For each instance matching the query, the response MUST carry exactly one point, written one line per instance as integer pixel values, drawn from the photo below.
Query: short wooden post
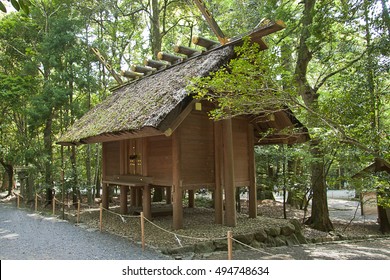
(78, 211)
(143, 231)
(101, 217)
(36, 202)
(54, 205)
(230, 245)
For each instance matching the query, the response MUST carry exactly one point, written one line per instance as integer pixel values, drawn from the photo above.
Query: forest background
(330, 65)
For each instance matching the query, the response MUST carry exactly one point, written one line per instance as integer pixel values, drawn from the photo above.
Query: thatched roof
(148, 106)
(141, 107)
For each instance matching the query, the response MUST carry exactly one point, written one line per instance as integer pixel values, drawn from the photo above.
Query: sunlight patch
(10, 236)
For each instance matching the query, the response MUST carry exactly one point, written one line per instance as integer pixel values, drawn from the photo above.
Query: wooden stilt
(168, 195)
(138, 199)
(123, 199)
(228, 167)
(143, 231)
(105, 196)
(147, 201)
(133, 197)
(36, 202)
(191, 199)
(218, 158)
(252, 174)
(177, 183)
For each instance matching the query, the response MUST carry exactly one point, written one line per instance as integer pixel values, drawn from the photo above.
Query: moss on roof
(145, 102)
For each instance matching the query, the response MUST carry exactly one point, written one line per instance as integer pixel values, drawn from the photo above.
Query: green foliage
(248, 84)
(17, 4)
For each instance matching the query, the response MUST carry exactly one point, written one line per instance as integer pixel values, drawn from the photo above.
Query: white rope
(255, 249)
(178, 240)
(183, 236)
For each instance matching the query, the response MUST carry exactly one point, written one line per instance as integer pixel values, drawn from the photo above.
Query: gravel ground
(68, 241)
(25, 235)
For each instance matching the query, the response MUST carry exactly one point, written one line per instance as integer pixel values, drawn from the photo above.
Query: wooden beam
(146, 70)
(229, 178)
(131, 74)
(252, 173)
(190, 52)
(156, 64)
(218, 159)
(171, 58)
(177, 183)
(204, 42)
(183, 115)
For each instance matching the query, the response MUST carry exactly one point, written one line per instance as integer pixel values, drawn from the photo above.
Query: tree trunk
(48, 164)
(9, 178)
(320, 215)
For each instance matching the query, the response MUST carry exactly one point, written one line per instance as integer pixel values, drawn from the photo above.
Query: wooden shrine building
(155, 135)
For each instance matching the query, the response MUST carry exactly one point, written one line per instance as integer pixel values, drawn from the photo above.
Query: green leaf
(24, 4)
(2, 7)
(15, 4)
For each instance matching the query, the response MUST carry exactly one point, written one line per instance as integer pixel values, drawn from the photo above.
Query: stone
(245, 238)
(260, 235)
(301, 238)
(221, 245)
(280, 241)
(270, 241)
(204, 247)
(296, 224)
(179, 250)
(287, 229)
(273, 231)
(292, 240)
(257, 244)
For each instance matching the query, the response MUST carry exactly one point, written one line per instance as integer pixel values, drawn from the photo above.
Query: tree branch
(349, 64)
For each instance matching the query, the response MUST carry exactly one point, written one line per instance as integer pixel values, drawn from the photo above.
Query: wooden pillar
(229, 179)
(133, 197)
(105, 190)
(191, 199)
(123, 199)
(218, 157)
(177, 183)
(123, 170)
(138, 197)
(168, 195)
(252, 174)
(105, 196)
(147, 201)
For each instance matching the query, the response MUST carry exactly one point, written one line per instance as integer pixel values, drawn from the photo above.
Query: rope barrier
(183, 236)
(250, 247)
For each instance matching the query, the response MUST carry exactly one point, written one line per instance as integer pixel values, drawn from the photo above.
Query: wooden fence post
(36, 202)
(143, 231)
(101, 216)
(230, 245)
(54, 205)
(78, 211)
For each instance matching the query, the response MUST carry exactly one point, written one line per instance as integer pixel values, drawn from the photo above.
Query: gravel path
(29, 236)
